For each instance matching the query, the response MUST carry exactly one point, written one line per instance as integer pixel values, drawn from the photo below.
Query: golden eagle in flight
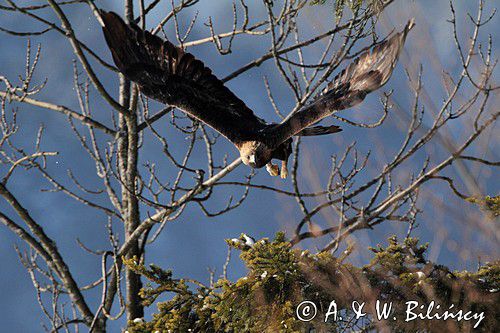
(169, 75)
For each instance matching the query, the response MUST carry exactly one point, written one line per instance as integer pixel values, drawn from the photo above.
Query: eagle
(170, 75)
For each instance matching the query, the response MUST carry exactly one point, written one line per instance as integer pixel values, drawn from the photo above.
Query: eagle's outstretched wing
(167, 74)
(370, 71)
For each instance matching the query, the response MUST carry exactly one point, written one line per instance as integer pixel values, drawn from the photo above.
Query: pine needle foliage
(280, 277)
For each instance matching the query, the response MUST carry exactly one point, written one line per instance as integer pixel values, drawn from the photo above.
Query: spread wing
(167, 74)
(370, 71)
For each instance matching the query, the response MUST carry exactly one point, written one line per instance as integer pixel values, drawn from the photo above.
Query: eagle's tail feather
(319, 130)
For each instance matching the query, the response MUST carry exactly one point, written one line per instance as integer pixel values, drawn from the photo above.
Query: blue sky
(193, 243)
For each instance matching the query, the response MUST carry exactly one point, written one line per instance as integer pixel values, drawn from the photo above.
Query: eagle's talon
(284, 170)
(273, 169)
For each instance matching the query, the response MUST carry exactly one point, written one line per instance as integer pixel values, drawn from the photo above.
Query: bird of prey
(172, 76)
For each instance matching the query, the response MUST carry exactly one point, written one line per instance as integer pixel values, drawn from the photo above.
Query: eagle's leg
(284, 169)
(273, 169)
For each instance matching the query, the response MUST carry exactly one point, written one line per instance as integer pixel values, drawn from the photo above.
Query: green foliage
(339, 6)
(488, 204)
(399, 258)
(281, 277)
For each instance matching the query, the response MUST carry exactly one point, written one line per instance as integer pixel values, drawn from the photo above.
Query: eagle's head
(255, 154)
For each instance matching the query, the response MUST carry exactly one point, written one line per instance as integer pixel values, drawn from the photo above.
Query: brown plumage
(167, 74)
